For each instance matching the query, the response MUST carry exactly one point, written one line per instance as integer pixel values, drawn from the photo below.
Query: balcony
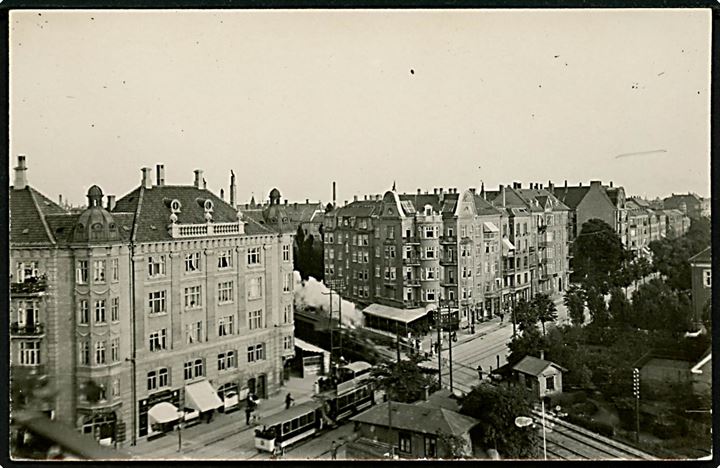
(389, 282)
(411, 304)
(389, 241)
(204, 230)
(542, 228)
(411, 261)
(448, 261)
(37, 329)
(411, 241)
(34, 286)
(448, 282)
(412, 282)
(448, 239)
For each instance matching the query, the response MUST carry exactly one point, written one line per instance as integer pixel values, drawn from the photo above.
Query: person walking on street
(502, 317)
(288, 401)
(333, 450)
(480, 371)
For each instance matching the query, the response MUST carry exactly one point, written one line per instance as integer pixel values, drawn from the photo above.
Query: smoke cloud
(314, 293)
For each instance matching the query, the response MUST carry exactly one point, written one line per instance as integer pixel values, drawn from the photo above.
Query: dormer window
(208, 205)
(175, 206)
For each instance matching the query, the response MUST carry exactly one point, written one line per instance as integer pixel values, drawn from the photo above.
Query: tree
(496, 407)
(619, 307)
(598, 255)
(597, 307)
(455, 446)
(670, 256)
(656, 306)
(403, 381)
(526, 316)
(544, 308)
(530, 342)
(575, 302)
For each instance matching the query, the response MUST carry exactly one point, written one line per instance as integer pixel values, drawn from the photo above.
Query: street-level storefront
(229, 393)
(201, 397)
(161, 417)
(101, 424)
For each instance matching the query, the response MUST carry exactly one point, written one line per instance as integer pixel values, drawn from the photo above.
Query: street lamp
(636, 393)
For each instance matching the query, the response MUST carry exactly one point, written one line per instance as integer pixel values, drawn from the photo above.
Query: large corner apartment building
(484, 250)
(164, 296)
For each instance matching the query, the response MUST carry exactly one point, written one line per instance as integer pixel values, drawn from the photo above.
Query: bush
(594, 426)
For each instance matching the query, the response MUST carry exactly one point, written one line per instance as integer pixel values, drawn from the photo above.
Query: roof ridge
(41, 214)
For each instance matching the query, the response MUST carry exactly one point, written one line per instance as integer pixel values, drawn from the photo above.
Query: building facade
(701, 271)
(689, 204)
(145, 297)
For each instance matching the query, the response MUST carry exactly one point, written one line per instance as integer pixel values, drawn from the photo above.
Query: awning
(358, 366)
(507, 244)
(391, 313)
(490, 227)
(202, 397)
(305, 346)
(164, 413)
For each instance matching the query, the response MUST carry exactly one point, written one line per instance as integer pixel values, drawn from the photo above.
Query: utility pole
(636, 393)
(438, 320)
(452, 335)
(181, 413)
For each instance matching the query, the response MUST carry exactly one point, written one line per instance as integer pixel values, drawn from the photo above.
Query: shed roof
(418, 418)
(532, 365)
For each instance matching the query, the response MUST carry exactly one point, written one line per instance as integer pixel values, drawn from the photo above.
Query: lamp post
(181, 421)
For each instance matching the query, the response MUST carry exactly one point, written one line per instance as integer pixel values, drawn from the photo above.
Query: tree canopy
(598, 255)
(403, 381)
(544, 308)
(575, 302)
(670, 256)
(496, 407)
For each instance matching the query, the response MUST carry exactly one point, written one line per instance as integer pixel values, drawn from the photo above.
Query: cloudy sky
(297, 99)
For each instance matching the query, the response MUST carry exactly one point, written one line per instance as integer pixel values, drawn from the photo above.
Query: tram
(348, 391)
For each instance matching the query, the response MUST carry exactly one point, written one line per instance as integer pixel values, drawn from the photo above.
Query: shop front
(229, 393)
(201, 397)
(161, 418)
(102, 425)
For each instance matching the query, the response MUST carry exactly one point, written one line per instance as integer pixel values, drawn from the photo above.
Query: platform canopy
(392, 313)
(202, 397)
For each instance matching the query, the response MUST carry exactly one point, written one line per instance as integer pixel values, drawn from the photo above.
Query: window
(100, 352)
(390, 232)
(256, 352)
(226, 292)
(27, 314)
(115, 267)
(84, 353)
(199, 368)
(193, 297)
(159, 378)
(84, 312)
(430, 232)
(287, 343)
(287, 313)
(255, 319)
(152, 380)
(192, 262)
(405, 442)
(429, 252)
(115, 350)
(227, 360)
(99, 271)
(377, 271)
(26, 270)
(253, 256)
(225, 325)
(115, 309)
(365, 256)
(707, 278)
(550, 382)
(225, 259)
(188, 370)
(193, 332)
(100, 311)
(163, 380)
(430, 447)
(255, 288)
(429, 295)
(156, 302)
(157, 340)
(156, 266)
(390, 251)
(29, 353)
(286, 253)
(287, 282)
(81, 275)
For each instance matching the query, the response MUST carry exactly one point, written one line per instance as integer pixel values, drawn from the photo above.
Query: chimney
(354, 198)
(204, 184)
(595, 183)
(550, 185)
(146, 182)
(345, 203)
(611, 184)
(435, 191)
(580, 184)
(233, 189)
(286, 202)
(198, 178)
(20, 173)
(542, 354)
(365, 197)
(160, 170)
(333, 203)
(502, 194)
(60, 199)
(307, 201)
(110, 202)
(565, 183)
(472, 190)
(419, 191)
(482, 188)
(222, 194)
(295, 205)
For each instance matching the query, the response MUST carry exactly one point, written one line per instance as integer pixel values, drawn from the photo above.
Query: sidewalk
(222, 425)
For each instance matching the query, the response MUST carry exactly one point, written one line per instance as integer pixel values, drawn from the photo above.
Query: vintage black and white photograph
(377, 234)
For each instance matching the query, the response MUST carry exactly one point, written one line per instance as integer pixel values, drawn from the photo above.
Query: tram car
(347, 392)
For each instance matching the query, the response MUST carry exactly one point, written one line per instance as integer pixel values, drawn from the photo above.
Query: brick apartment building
(166, 295)
(482, 250)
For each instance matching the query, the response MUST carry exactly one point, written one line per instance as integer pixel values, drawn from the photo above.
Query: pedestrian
(248, 413)
(480, 371)
(288, 401)
(333, 450)
(502, 317)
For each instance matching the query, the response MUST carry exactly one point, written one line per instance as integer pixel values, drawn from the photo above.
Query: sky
(419, 98)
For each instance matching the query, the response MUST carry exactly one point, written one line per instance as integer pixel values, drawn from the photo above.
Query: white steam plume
(314, 293)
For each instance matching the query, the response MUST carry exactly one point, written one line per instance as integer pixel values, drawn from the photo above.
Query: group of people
(251, 403)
